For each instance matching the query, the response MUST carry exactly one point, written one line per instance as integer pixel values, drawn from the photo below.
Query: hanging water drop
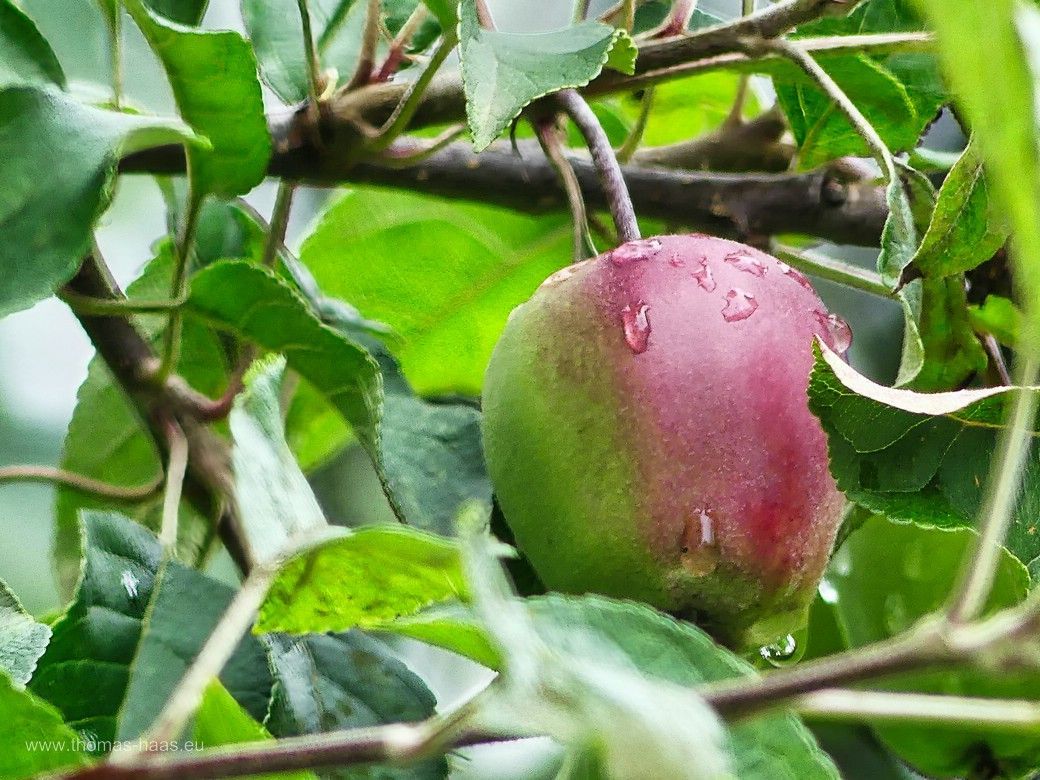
(746, 263)
(635, 251)
(740, 305)
(782, 652)
(635, 322)
(836, 330)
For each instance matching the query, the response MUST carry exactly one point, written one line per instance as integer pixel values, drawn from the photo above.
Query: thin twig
(402, 154)
(996, 357)
(176, 468)
(279, 222)
(369, 44)
(310, 48)
(403, 39)
(179, 284)
(82, 482)
(606, 163)
(833, 270)
(549, 138)
(983, 559)
(635, 137)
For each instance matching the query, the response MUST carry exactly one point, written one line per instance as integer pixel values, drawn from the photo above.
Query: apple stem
(606, 162)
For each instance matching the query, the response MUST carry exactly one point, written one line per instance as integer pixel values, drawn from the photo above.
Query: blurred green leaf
(28, 719)
(108, 440)
(38, 127)
(189, 12)
(914, 456)
(22, 639)
(920, 567)
(344, 681)
(899, 236)
(503, 72)
(951, 354)
(224, 104)
(967, 227)
(428, 456)
(988, 66)
(134, 626)
(274, 500)
(363, 579)
(899, 93)
(999, 316)
(442, 274)
(25, 56)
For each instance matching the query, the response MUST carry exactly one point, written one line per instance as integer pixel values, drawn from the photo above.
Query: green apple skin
(647, 433)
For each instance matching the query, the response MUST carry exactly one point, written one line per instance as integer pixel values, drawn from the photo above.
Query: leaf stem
(176, 468)
(399, 45)
(81, 482)
(549, 138)
(116, 55)
(833, 270)
(581, 10)
(123, 307)
(279, 222)
(606, 162)
(179, 284)
(398, 121)
(369, 44)
(635, 137)
(310, 48)
(983, 559)
(400, 154)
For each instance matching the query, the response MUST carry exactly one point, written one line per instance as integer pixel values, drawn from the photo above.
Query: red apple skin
(647, 432)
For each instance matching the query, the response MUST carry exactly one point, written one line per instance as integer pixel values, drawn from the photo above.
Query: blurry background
(44, 353)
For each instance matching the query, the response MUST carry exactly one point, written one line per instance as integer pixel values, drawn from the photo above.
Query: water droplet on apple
(782, 652)
(836, 330)
(740, 305)
(704, 276)
(635, 323)
(742, 261)
(635, 251)
(797, 275)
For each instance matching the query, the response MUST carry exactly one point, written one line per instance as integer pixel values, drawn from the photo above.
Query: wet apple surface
(648, 437)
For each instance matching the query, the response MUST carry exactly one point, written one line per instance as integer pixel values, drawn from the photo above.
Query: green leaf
(107, 667)
(363, 579)
(920, 568)
(25, 55)
(899, 93)
(446, 11)
(224, 104)
(914, 456)
(276, 31)
(37, 127)
(967, 227)
(28, 719)
(107, 440)
(503, 72)
(346, 681)
(952, 353)
(999, 316)
(468, 265)
(273, 497)
(188, 12)
(976, 41)
(899, 236)
(413, 445)
(184, 607)
(22, 639)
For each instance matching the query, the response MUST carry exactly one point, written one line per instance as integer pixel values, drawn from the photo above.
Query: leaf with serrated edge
(22, 639)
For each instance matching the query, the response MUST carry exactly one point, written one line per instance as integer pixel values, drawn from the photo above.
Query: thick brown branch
(133, 363)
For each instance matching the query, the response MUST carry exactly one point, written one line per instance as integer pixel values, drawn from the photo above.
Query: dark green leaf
(920, 568)
(107, 439)
(22, 639)
(345, 681)
(413, 445)
(275, 502)
(276, 30)
(503, 72)
(224, 105)
(914, 456)
(189, 12)
(25, 55)
(107, 667)
(28, 719)
(38, 127)
(365, 578)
